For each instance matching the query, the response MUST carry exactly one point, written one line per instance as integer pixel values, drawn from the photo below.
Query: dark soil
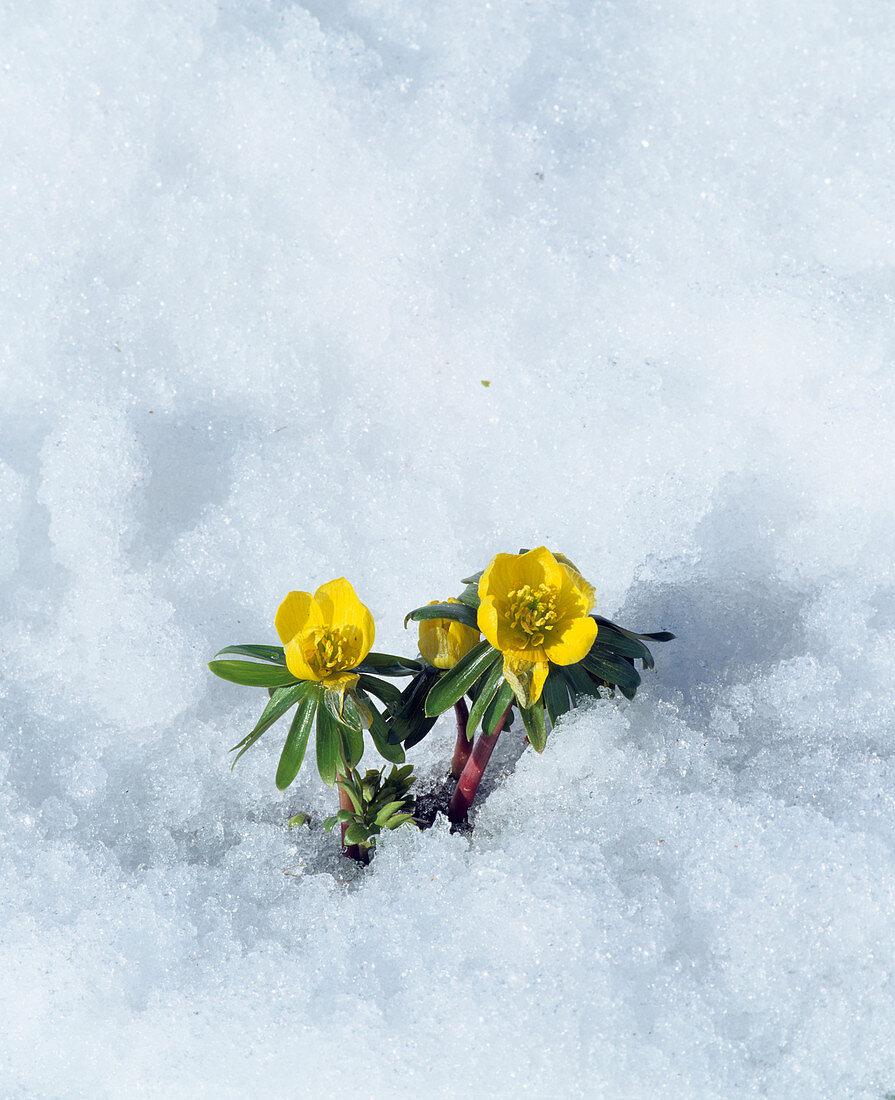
(436, 800)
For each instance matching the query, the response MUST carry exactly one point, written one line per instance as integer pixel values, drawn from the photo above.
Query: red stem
(464, 746)
(475, 768)
(352, 851)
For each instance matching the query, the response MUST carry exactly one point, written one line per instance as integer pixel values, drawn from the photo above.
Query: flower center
(532, 610)
(332, 649)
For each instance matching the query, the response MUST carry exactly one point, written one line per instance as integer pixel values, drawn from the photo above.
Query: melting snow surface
(259, 258)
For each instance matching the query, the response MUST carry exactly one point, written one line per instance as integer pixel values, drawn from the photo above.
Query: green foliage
(490, 684)
(408, 724)
(384, 691)
(458, 612)
(379, 731)
(252, 673)
(457, 681)
(296, 740)
(556, 695)
(386, 664)
(280, 701)
(328, 746)
(496, 707)
(379, 801)
(273, 653)
(470, 594)
(535, 725)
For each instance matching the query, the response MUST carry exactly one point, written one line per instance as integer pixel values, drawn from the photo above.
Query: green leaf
(329, 822)
(386, 812)
(342, 707)
(382, 689)
(458, 612)
(535, 726)
(280, 701)
(386, 664)
(296, 740)
(474, 579)
(614, 641)
(556, 696)
(413, 732)
(457, 681)
(409, 724)
(487, 692)
(398, 820)
(356, 834)
(352, 793)
(648, 659)
(252, 674)
(328, 756)
(470, 596)
(579, 682)
(613, 670)
(296, 820)
(379, 731)
(273, 653)
(657, 636)
(497, 706)
(353, 741)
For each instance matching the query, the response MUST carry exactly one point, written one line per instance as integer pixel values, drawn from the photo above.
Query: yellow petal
(526, 678)
(501, 575)
(295, 614)
(444, 642)
(342, 609)
(540, 567)
(585, 587)
(498, 632)
(464, 638)
(570, 642)
(488, 619)
(436, 643)
(573, 601)
(338, 602)
(296, 662)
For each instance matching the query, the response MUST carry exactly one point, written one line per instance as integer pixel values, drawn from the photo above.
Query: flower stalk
(463, 747)
(471, 777)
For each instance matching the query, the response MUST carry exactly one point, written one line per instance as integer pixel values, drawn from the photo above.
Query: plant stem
(463, 748)
(352, 851)
(475, 768)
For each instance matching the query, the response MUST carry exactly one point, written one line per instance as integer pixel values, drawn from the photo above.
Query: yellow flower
(444, 642)
(325, 635)
(586, 588)
(534, 609)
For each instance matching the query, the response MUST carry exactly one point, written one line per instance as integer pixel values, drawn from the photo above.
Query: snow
(259, 258)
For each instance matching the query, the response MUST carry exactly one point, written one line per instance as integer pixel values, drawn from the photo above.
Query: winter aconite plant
(522, 636)
(325, 670)
(543, 650)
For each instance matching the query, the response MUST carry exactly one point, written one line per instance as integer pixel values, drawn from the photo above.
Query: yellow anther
(532, 611)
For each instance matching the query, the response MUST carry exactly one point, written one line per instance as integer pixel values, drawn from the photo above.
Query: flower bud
(444, 642)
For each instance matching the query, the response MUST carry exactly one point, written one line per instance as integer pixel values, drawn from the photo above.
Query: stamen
(532, 611)
(332, 650)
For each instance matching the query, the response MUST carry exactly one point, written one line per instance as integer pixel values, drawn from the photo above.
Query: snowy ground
(257, 259)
